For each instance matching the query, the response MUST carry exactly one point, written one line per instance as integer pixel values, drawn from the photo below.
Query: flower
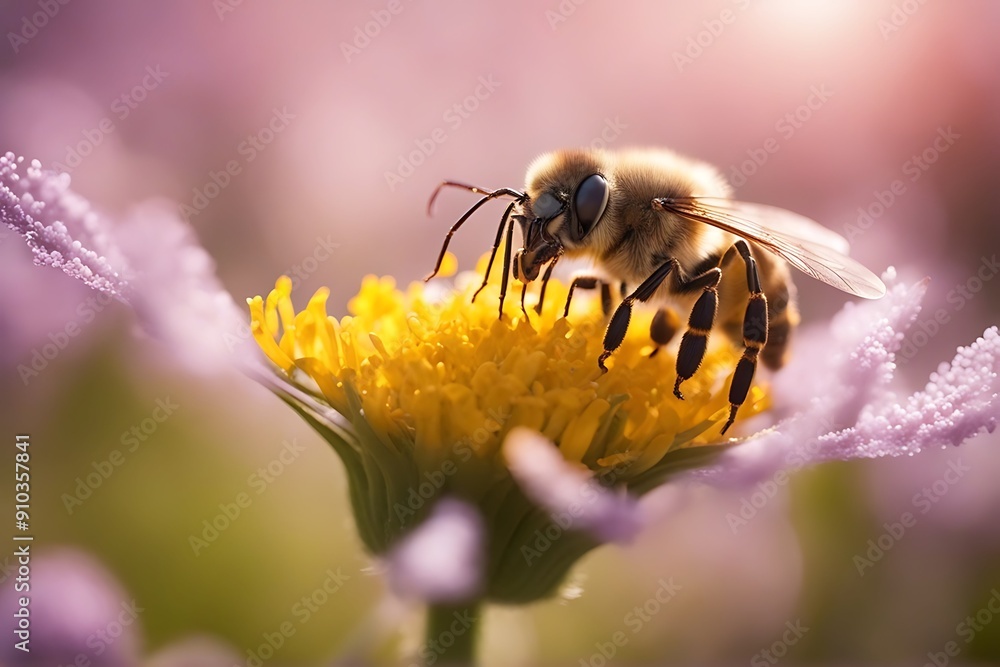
(430, 384)
(442, 399)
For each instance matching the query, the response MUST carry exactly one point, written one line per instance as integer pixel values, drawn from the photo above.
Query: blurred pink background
(306, 137)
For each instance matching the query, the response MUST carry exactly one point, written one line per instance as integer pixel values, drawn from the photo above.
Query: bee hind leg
(754, 335)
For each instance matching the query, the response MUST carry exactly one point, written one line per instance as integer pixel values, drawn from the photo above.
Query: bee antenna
(487, 196)
(473, 189)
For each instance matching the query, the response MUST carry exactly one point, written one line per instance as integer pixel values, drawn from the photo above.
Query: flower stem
(450, 637)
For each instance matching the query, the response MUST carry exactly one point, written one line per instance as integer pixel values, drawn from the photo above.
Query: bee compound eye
(589, 203)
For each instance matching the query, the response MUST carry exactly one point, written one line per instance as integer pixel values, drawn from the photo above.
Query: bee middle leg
(623, 314)
(700, 323)
(663, 328)
(590, 282)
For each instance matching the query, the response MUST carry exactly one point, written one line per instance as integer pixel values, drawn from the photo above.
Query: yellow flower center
(432, 370)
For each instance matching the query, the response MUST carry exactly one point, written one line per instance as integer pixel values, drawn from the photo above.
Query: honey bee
(665, 227)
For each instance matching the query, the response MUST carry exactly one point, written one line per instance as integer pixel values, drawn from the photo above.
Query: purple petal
(569, 493)
(171, 280)
(442, 559)
(856, 415)
(959, 402)
(177, 295)
(78, 612)
(839, 366)
(59, 226)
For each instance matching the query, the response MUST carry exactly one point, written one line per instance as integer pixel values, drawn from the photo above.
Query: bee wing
(803, 243)
(779, 220)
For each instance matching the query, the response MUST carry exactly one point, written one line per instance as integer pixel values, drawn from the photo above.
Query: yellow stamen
(440, 374)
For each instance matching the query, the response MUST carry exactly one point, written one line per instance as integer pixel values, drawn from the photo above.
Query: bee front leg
(496, 245)
(623, 314)
(545, 283)
(506, 267)
(754, 335)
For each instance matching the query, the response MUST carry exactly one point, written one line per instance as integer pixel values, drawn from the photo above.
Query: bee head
(566, 197)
